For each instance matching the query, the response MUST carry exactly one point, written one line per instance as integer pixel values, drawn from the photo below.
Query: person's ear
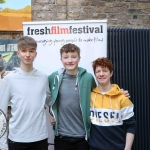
(35, 54)
(79, 58)
(111, 74)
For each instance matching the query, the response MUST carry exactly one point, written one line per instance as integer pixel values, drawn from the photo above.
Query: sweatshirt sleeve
(4, 98)
(128, 115)
(130, 125)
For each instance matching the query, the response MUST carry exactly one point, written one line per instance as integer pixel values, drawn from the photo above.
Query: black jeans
(39, 145)
(70, 143)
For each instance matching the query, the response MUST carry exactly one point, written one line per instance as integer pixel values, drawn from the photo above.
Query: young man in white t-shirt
(26, 90)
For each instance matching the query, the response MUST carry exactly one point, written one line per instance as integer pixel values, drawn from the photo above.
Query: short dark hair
(70, 48)
(27, 41)
(104, 62)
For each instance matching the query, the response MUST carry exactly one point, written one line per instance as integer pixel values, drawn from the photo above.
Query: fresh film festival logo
(69, 30)
(3, 123)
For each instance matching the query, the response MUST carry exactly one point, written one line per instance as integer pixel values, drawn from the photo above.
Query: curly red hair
(103, 62)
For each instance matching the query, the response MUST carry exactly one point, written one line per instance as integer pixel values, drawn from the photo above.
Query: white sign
(89, 35)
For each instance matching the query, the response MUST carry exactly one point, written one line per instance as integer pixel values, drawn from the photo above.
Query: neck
(72, 72)
(26, 68)
(105, 88)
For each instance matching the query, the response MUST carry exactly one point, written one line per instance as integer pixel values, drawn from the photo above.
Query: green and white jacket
(86, 83)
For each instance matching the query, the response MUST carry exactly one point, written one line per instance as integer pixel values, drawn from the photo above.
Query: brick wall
(120, 13)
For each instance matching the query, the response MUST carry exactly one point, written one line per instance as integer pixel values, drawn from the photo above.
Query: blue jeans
(70, 143)
(38, 145)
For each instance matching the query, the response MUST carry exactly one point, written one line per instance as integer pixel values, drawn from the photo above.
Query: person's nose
(101, 73)
(69, 59)
(27, 54)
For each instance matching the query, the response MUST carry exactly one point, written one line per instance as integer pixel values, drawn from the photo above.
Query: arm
(131, 127)
(129, 122)
(52, 121)
(129, 141)
(4, 149)
(5, 96)
(4, 74)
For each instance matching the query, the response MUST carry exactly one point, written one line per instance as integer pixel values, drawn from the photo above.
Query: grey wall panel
(129, 51)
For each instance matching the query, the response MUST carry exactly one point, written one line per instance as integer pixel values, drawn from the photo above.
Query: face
(103, 75)
(27, 55)
(70, 61)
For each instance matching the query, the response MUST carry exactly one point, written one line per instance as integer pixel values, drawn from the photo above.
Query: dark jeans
(39, 145)
(70, 143)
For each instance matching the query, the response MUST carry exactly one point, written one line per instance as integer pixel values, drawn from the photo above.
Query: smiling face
(103, 70)
(70, 61)
(103, 75)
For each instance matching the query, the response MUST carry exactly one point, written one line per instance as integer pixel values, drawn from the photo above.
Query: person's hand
(5, 148)
(126, 93)
(4, 74)
(127, 149)
(52, 121)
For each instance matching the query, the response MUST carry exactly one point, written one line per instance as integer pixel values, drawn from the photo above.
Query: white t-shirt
(27, 93)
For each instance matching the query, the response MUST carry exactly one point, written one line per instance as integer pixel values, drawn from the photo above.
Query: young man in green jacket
(71, 87)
